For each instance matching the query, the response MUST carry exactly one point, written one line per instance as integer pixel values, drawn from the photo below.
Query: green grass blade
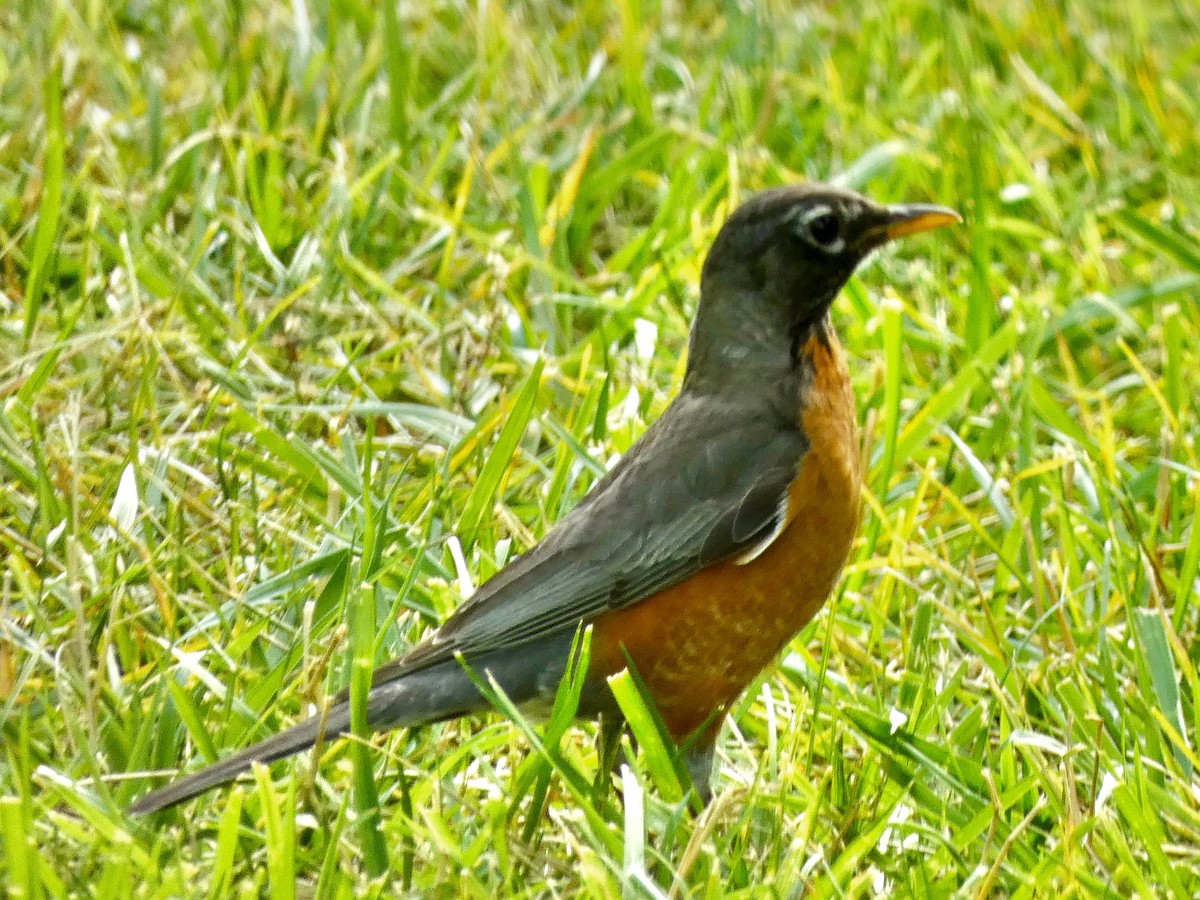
(1156, 650)
(953, 395)
(487, 486)
(45, 235)
(366, 795)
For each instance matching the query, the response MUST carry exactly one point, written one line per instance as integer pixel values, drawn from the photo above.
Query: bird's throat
(819, 329)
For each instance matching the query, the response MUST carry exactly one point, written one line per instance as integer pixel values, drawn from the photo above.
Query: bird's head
(783, 255)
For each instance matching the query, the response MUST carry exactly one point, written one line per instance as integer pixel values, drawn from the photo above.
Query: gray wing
(706, 482)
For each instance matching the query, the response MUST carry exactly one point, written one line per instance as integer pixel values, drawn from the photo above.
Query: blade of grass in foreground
(18, 844)
(648, 730)
(224, 856)
(46, 232)
(577, 783)
(1156, 649)
(492, 473)
(366, 795)
(279, 836)
(396, 61)
(362, 648)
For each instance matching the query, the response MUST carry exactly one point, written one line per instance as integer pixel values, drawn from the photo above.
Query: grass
(312, 314)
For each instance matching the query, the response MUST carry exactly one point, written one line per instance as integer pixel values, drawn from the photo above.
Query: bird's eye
(824, 229)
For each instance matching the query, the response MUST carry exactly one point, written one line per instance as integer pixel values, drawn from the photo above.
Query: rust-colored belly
(698, 644)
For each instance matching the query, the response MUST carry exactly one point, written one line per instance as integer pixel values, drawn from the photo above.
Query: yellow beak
(913, 218)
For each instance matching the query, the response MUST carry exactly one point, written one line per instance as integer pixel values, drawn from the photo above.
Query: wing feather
(652, 522)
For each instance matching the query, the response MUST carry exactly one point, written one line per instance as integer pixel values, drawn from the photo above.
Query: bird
(708, 546)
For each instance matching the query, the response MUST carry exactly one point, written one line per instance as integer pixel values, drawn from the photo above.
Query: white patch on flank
(781, 521)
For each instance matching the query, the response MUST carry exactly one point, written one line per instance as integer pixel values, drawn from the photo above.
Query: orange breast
(698, 644)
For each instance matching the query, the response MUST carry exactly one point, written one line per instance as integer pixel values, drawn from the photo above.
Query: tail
(442, 691)
(320, 727)
(417, 698)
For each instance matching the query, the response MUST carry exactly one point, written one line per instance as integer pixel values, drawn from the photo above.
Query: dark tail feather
(414, 699)
(410, 698)
(329, 726)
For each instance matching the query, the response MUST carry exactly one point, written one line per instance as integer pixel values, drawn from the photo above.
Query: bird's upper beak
(910, 218)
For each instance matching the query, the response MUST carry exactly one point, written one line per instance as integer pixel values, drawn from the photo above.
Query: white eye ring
(837, 245)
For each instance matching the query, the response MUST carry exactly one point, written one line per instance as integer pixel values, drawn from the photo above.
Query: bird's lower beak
(912, 218)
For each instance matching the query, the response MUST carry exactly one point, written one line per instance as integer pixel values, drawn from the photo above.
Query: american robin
(710, 544)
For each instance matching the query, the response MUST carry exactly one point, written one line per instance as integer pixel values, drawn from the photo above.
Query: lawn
(313, 313)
